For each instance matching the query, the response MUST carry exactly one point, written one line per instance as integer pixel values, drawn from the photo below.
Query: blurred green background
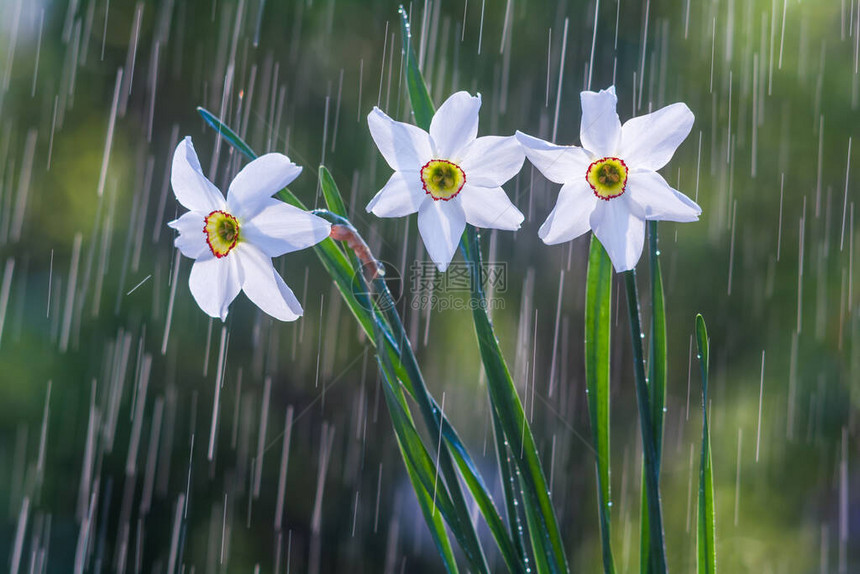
(87, 281)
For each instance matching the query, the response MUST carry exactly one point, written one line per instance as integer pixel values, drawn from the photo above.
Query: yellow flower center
(222, 232)
(607, 177)
(442, 179)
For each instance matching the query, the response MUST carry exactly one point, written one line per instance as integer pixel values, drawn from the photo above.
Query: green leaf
(453, 446)
(656, 549)
(706, 550)
(656, 373)
(598, 335)
(509, 476)
(419, 96)
(543, 527)
(226, 133)
(422, 472)
(332, 195)
(657, 359)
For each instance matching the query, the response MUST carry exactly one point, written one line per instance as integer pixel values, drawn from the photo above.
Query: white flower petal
(441, 224)
(215, 283)
(557, 163)
(649, 141)
(658, 201)
(191, 240)
(258, 181)
(600, 130)
(570, 217)
(455, 125)
(264, 287)
(620, 232)
(282, 228)
(401, 195)
(490, 161)
(404, 146)
(490, 208)
(190, 186)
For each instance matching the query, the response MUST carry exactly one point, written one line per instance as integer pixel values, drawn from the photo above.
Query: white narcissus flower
(233, 241)
(611, 184)
(449, 176)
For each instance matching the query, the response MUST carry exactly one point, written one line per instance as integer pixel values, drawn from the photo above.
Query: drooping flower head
(233, 241)
(611, 184)
(449, 175)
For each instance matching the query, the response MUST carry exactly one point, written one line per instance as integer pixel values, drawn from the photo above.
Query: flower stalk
(656, 547)
(545, 536)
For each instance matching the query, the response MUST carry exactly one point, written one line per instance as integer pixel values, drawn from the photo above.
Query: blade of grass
(598, 333)
(656, 547)
(546, 540)
(706, 530)
(656, 374)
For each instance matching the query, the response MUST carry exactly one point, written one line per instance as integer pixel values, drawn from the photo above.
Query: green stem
(543, 526)
(657, 552)
(434, 418)
(509, 486)
(656, 376)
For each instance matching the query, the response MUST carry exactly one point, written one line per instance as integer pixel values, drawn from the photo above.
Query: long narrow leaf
(706, 531)
(418, 466)
(331, 193)
(226, 133)
(504, 398)
(433, 417)
(656, 547)
(510, 486)
(419, 96)
(657, 359)
(543, 561)
(598, 334)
